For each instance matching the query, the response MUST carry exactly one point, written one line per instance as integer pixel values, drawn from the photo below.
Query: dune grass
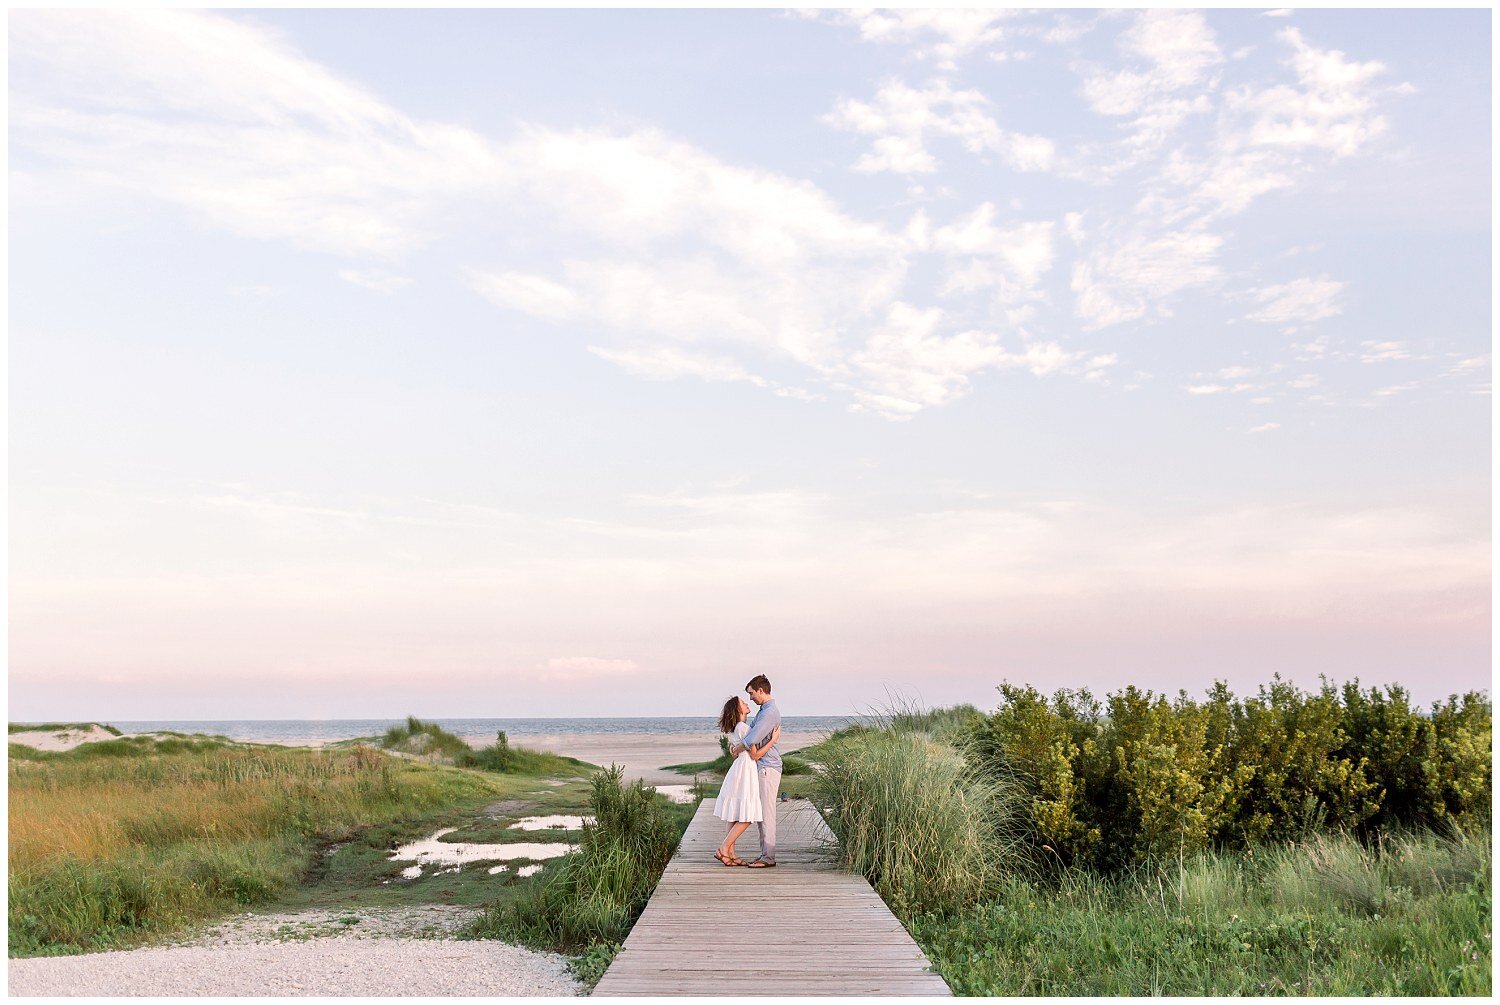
(432, 742)
(588, 900)
(116, 841)
(1327, 916)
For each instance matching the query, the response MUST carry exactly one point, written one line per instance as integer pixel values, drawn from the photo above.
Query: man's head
(759, 689)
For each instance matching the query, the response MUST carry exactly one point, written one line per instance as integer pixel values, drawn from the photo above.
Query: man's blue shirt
(767, 719)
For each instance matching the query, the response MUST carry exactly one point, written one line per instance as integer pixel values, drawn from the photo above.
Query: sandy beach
(645, 755)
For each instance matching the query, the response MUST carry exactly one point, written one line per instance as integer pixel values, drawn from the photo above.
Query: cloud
(1299, 302)
(1126, 279)
(1265, 428)
(903, 118)
(374, 279)
(529, 294)
(1013, 259)
(941, 34)
(1172, 52)
(224, 118)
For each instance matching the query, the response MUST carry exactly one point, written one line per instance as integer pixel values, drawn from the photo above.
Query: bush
(1141, 778)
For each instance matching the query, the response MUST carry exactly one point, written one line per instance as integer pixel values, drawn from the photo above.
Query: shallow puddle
(435, 851)
(677, 793)
(548, 823)
(522, 871)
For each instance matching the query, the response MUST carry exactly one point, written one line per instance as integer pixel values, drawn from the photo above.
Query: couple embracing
(748, 795)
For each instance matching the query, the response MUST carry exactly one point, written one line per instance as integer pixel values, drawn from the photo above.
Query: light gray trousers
(770, 785)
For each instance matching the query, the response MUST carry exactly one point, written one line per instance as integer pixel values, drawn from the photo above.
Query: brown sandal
(761, 863)
(721, 858)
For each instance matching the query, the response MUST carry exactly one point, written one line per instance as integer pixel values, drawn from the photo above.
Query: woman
(739, 796)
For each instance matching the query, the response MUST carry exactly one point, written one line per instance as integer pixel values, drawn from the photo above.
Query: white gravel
(386, 953)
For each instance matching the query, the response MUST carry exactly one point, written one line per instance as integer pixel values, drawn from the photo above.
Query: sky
(517, 363)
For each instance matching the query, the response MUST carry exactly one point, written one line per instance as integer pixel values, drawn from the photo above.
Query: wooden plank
(818, 930)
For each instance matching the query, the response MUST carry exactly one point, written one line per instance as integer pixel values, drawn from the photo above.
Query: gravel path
(384, 953)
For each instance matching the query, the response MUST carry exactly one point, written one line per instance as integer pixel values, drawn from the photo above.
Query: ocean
(281, 730)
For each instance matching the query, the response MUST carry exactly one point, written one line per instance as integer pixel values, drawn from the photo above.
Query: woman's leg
(735, 830)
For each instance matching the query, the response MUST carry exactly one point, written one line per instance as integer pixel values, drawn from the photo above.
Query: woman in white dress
(739, 797)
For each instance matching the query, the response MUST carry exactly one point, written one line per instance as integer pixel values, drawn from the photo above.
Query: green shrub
(1141, 778)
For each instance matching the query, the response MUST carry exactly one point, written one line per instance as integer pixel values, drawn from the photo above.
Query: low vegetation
(1325, 916)
(588, 900)
(1327, 843)
(122, 839)
(431, 742)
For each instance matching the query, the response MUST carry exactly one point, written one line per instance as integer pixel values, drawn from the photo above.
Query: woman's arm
(756, 752)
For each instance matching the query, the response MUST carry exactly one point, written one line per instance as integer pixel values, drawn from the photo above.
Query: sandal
(736, 860)
(721, 858)
(761, 863)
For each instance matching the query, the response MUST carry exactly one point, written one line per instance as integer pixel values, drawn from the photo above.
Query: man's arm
(758, 732)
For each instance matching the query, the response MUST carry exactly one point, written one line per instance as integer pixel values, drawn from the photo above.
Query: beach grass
(1386, 909)
(432, 742)
(1327, 916)
(587, 901)
(117, 841)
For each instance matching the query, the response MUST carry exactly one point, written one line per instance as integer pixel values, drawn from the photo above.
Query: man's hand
(736, 749)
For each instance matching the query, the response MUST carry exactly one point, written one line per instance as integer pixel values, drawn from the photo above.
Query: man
(768, 768)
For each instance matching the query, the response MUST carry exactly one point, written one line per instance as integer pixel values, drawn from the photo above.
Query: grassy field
(949, 835)
(1328, 917)
(117, 842)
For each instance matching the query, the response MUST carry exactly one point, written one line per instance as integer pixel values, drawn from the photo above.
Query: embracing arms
(757, 752)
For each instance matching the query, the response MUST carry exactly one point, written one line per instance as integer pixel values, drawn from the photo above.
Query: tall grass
(593, 895)
(928, 831)
(1324, 916)
(110, 845)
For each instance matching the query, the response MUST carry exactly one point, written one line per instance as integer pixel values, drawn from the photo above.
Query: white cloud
(1265, 428)
(1385, 352)
(669, 363)
(903, 118)
(941, 34)
(1126, 280)
(375, 279)
(1013, 259)
(1299, 302)
(221, 116)
(535, 295)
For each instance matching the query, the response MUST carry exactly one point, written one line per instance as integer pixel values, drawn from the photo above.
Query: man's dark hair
(759, 683)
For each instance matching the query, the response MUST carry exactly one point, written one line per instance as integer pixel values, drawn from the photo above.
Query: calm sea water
(345, 729)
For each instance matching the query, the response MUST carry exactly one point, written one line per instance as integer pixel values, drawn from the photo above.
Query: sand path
(388, 952)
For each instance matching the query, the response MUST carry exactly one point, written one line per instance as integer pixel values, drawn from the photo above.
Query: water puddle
(435, 851)
(522, 871)
(548, 823)
(677, 793)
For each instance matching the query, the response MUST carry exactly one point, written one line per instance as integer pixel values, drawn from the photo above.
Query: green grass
(434, 743)
(587, 901)
(1327, 917)
(118, 842)
(915, 819)
(57, 727)
(942, 833)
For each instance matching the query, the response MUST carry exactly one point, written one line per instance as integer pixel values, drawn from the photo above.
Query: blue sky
(527, 363)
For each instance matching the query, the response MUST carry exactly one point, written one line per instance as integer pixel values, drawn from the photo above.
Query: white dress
(739, 797)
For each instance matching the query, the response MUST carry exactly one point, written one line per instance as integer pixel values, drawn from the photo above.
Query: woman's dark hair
(730, 717)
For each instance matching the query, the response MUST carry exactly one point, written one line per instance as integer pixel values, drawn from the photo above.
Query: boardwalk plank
(819, 930)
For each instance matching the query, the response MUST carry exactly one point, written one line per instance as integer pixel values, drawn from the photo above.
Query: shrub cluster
(1138, 777)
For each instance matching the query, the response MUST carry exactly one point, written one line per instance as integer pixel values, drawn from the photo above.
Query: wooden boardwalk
(802, 928)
